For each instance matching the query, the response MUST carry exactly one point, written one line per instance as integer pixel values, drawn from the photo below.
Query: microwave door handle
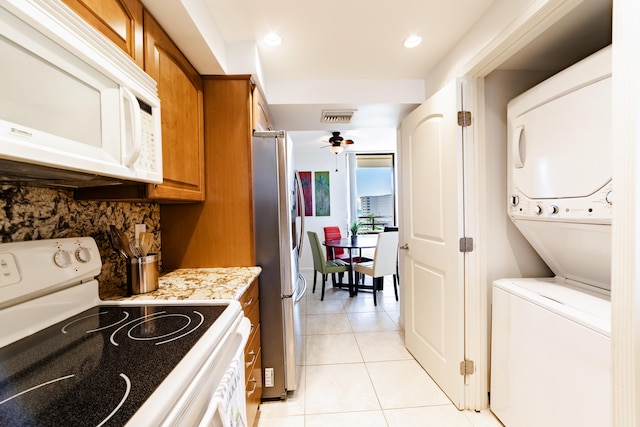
(131, 155)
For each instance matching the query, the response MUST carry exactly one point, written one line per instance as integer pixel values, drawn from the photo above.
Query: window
(373, 198)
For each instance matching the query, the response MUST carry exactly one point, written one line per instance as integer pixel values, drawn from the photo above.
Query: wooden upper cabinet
(181, 104)
(119, 20)
(261, 116)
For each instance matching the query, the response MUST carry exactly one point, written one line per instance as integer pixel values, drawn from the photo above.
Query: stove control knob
(538, 210)
(555, 209)
(83, 254)
(62, 258)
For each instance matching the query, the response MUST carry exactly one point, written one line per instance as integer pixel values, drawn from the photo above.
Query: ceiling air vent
(337, 116)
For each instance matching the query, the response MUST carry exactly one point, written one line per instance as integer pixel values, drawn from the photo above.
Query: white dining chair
(384, 263)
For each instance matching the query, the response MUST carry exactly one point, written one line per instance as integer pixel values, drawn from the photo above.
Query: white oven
(70, 359)
(71, 100)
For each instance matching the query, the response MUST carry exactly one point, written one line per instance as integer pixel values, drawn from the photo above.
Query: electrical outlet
(268, 377)
(139, 228)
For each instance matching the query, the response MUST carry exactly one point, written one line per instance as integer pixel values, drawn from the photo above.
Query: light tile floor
(358, 373)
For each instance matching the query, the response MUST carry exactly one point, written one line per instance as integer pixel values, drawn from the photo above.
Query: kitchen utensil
(135, 249)
(115, 241)
(121, 242)
(145, 241)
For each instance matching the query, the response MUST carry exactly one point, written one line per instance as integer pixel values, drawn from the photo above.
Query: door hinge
(466, 244)
(464, 118)
(466, 367)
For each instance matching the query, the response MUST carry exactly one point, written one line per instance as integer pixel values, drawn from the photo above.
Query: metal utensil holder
(142, 274)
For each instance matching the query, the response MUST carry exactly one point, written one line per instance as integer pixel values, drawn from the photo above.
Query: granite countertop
(199, 283)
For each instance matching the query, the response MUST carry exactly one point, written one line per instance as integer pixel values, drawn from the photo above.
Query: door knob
(405, 247)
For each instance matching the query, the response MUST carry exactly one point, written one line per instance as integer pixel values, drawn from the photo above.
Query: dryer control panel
(596, 209)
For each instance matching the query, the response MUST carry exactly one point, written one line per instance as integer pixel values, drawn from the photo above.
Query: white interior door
(430, 164)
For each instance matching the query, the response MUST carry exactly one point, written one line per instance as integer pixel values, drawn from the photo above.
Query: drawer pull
(252, 328)
(255, 385)
(248, 303)
(253, 359)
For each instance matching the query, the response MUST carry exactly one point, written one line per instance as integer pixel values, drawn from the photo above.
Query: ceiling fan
(338, 143)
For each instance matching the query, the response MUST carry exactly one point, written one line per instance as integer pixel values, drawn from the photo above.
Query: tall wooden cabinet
(218, 232)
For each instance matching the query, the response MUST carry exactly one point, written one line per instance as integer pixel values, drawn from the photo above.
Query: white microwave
(70, 100)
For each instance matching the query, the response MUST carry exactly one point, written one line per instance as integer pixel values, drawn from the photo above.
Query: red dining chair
(333, 233)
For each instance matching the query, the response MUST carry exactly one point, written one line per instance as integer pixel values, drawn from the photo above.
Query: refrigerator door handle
(302, 213)
(304, 287)
(297, 293)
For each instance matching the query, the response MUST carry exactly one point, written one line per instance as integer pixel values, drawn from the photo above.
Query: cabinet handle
(252, 328)
(253, 359)
(255, 385)
(248, 303)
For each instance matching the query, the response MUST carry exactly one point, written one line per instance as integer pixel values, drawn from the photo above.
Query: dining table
(352, 244)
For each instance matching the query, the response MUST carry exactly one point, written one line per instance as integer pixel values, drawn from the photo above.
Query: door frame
(625, 277)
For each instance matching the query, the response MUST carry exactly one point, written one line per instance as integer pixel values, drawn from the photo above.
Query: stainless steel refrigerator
(279, 231)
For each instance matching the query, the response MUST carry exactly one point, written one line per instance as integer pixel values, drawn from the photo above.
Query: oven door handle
(230, 393)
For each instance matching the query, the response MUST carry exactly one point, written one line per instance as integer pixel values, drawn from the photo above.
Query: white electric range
(68, 358)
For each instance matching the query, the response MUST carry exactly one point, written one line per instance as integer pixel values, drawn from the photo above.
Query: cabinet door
(181, 103)
(119, 20)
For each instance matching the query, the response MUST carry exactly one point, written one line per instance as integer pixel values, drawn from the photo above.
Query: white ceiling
(334, 54)
(348, 54)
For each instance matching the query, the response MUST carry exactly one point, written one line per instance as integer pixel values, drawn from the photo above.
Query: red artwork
(307, 195)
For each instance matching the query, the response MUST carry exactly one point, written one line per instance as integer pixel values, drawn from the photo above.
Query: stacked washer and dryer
(550, 360)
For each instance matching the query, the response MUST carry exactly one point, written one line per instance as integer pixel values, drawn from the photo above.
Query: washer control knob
(515, 200)
(609, 197)
(62, 258)
(538, 210)
(83, 254)
(554, 209)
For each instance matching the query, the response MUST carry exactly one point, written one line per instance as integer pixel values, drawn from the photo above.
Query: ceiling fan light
(337, 149)
(412, 41)
(272, 39)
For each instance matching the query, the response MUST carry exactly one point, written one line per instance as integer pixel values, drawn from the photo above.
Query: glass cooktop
(98, 367)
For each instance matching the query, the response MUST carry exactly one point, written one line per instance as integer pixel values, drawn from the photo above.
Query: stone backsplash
(33, 213)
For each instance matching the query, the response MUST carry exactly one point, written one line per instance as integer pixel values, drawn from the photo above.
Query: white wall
(486, 29)
(511, 254)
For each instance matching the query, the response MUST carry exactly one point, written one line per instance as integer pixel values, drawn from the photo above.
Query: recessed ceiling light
(412, 41)
(272, 39)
